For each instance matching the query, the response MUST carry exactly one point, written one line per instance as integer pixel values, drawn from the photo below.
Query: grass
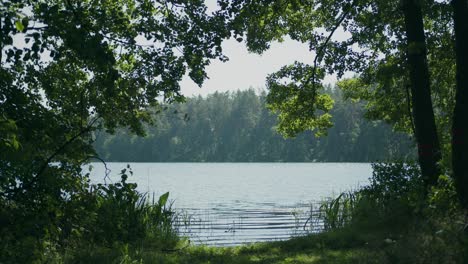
(439, 240)
(343, 245)
(329, 247)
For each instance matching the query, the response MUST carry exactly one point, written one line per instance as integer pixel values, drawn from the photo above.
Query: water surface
(234, 203)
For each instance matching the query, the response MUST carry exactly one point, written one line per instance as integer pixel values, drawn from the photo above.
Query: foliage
(101, 215)
(112, 59)
(393, 215)
(374, 46)
(68, 68)
(295, 97)
(36, 229)
(443, 197)
(393, 180)
(237, 127)
(390, 202)
(368, 38)
(127, 216)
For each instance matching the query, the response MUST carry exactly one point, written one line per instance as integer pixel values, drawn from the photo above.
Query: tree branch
(58, 151)
(37, 28)
(1, 45)
(106, 169)
(321, 49)
(126, 43)
(68, 142)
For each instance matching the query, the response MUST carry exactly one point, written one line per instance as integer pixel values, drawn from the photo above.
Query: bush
(393, 200)
(390, 200)
(41, 229)
(396, 215)
(123, 214)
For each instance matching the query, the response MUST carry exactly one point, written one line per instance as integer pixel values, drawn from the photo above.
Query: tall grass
(142, 223)
(338, 212)
(73, 224)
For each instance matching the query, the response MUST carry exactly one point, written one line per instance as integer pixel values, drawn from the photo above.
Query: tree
(237, 127)
(386, 47)
(460, 116)
(71, 67)
(429, 152)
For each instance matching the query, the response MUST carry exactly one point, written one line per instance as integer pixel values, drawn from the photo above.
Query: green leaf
(163, 199)
(19, 25)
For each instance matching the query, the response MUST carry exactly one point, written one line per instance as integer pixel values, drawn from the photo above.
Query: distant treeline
(237, 127)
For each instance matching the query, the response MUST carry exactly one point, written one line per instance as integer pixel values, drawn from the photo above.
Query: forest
(81, 81)
(237, 127)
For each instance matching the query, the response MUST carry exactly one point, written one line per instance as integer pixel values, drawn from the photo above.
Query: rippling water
(235, 203)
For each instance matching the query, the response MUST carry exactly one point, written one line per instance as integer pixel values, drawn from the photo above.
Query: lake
(236, 203)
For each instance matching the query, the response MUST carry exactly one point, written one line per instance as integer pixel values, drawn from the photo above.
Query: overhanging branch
(321, 49)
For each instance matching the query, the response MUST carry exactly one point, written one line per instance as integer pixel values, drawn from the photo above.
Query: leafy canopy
(106, 58)
(375, 50)
(68, 68)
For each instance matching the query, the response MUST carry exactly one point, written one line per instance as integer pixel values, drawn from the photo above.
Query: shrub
(394, 214)
(40, 229)
(125, 215)
(390, 200)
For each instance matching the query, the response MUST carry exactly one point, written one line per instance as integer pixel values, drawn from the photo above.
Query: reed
(338, 212)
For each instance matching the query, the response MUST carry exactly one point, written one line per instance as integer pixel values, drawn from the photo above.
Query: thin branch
(62, 148)
(37, 28)
(305, 224)
(127, 43)
(321, 49)
(1, 45)
(107, 171)
(50, 158)
(82, 108)
(57, 152)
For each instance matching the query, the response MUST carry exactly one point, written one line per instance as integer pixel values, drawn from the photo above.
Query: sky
(246, 70)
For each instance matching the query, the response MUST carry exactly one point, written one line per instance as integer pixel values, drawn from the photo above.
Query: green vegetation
(333, 247)
(385, 222)
(68, 68)
(99, 216)
(313, 249)
(236, 127)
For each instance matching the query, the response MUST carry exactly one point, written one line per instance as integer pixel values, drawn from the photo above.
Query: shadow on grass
(320, 248)
(340, 246)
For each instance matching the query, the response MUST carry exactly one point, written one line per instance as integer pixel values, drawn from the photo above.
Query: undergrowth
(392, 220)
(100, 217)
(398, 217)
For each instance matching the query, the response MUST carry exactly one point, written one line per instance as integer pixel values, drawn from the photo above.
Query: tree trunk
(426, 133)
(460, 115)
